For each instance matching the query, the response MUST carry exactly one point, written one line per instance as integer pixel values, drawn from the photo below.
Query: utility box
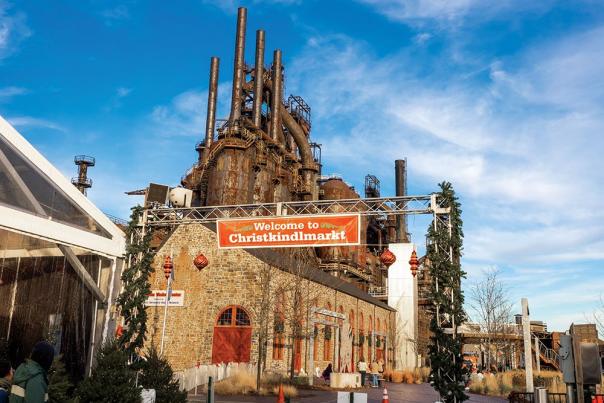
(567, 359)
(591, 364)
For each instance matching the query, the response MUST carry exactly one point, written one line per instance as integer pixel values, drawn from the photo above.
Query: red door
(298, 355)
(232, 336)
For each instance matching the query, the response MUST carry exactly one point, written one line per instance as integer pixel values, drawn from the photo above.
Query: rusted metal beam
(276, 97)
(258, 76)
(238, 70)
(212, 97)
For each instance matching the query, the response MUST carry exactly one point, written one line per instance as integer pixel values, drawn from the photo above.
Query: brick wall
(233, 278)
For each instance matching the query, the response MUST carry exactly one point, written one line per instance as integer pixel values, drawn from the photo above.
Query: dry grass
(244, 383)
(397, 377)
(502, 383)
(421, 375)
(417, 375)
(288, 390)
(240, 383)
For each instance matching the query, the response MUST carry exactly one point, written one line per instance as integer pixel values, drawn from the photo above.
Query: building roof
(37, 200)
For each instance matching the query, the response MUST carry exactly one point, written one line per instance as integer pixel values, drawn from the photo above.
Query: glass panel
(42, 298)
(226, 317)
(242, 318)
(54, 201)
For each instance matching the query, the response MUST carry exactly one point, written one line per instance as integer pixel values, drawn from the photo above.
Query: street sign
(283, 232)
(158, 298)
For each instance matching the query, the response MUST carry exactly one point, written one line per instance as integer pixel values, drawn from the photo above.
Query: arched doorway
(232, 336)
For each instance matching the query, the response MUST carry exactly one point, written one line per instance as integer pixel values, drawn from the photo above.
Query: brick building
(219, 322)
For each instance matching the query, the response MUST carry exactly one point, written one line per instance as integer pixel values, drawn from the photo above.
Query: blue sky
(505, 99)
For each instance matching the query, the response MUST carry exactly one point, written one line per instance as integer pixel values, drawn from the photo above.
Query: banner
(281, 232)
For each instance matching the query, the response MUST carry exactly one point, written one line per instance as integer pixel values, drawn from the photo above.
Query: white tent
(45, 220)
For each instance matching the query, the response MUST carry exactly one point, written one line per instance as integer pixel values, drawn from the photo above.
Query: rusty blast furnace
(263, 154)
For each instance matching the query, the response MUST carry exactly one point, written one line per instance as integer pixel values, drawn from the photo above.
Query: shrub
(157, 374)
(111, 378)
(59, 385)
(387, 375)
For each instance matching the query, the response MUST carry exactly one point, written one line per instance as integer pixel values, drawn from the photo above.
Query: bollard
(210, 390)
(351, 397)
(540, 394)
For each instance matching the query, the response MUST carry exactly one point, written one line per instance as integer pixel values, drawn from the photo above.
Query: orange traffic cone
(281, 398)
(385, 399)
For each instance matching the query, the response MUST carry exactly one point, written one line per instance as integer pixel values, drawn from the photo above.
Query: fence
(191, 378)
(523, 397)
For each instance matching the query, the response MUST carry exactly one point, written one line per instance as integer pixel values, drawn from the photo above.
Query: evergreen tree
(112, 380)
(157, 374)
(445, 241)
(136, 287)
(59, 385)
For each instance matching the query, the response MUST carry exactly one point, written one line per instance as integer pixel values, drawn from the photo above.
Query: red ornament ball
(168, 267)
(387, 258)
(200, 261)
(414, 263)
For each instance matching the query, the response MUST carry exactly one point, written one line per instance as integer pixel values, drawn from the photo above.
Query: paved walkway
(398, 392)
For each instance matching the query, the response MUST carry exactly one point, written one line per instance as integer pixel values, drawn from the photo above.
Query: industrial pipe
(276, 97)
(212, 96)
(238, 71)
(400, 177)
(258, 72)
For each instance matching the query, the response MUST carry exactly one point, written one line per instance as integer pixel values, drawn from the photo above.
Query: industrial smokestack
(238, 73)
(400, 167)
(258, 72)
(212, 96)
(276, 95)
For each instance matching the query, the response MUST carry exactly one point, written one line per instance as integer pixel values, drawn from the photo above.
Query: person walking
(362, 365)
(374, 368)
(30, 382)
(6, 375)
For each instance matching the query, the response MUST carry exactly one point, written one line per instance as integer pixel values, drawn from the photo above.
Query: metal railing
(378, 292)
(529, 397)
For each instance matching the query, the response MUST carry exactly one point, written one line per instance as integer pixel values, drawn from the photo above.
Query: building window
(233, 312)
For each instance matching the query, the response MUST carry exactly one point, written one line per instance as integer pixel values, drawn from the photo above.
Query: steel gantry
(379, 206)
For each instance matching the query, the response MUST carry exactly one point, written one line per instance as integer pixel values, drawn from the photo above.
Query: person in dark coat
(30, 382)
(6, 375)
(327, 372)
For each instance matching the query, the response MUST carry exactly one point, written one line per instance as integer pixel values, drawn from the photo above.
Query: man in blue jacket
(6, 375)
(30, 382)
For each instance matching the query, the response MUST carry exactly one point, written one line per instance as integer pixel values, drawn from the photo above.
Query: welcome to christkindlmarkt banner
(276, 232)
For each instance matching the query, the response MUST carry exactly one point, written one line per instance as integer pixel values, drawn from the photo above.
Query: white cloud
(450, 12)
(31, 122)
(115, 14)
(117, 99)
(185, 115)
(528, 163)
(122, 92)
(7, 93)
(422, 38)
(13, 29)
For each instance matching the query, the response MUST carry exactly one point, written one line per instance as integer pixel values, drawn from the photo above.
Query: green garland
(135, 280)
(443, 348)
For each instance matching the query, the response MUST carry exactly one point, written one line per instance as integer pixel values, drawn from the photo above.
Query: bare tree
(262, 310)
(490, 301)
(300, 295)
(599, 316)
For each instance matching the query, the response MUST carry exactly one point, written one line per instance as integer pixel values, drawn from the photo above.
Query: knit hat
(43, 353)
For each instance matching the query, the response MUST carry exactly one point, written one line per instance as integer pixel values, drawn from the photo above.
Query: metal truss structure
(379, 206)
